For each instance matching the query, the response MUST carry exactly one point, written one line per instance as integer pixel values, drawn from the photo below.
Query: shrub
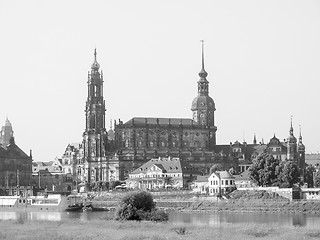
(139, 206)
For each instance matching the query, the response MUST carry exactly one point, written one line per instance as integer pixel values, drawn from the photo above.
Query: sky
(262, 59)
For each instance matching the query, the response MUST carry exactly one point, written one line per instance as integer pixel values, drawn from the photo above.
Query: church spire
(202, 73)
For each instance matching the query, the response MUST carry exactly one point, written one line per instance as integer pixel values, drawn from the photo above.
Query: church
(112, 155)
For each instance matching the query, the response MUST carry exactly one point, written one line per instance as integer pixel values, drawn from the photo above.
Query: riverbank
(109, 229)
(240, 201)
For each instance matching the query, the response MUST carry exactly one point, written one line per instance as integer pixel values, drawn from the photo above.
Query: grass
(114, 230)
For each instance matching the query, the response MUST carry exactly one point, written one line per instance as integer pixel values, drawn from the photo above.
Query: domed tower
(203, 106)
(95, 135)
(6, 133)
(291, 145)
(301, 153)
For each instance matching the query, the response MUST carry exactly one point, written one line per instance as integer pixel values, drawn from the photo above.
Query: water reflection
(195, 218)
(299, 220)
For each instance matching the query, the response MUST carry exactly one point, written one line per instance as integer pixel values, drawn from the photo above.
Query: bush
(139, 206)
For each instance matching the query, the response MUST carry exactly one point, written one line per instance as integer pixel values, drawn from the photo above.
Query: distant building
(51, 166)
(162, 173)
(313, 159)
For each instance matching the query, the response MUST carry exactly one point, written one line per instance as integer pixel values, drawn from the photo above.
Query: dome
(203, 73)
(203, 102)
(95, 65)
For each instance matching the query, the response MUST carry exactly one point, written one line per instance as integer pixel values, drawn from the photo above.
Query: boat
(50, 202)
(76, 203)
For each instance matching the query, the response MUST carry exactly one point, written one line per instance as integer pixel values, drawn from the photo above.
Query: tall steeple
(95, 136)
(203, 106)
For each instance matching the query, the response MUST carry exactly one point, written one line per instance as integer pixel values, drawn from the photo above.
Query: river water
(194, 218)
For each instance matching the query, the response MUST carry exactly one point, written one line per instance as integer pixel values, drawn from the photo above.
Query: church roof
(14, 150)
(160, 121)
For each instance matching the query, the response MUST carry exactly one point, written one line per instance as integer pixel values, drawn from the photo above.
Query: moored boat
(51, 202)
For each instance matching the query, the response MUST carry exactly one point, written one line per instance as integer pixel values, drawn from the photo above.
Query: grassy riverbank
(110, 229)
(241, 201)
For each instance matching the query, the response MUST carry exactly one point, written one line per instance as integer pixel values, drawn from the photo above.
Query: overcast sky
(262, 57)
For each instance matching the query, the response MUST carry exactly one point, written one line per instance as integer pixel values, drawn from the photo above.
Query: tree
(316, 179)
(289, 174)
(264, 170)
(139, 206)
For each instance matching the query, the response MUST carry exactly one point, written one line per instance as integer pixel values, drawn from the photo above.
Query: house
(221, 182)
(162, 173)
(201, 185)
(310, 193)
(51, 166)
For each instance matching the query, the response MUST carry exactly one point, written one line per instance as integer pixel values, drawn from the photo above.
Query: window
(221, 182)
(227, 182)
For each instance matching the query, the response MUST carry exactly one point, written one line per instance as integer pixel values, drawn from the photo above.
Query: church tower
(95, 136)
(6, 133)
(203, 106)
(291, 145)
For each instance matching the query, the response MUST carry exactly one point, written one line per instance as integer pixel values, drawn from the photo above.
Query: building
(113, 155)
(15, 166)
(200, 185)
(162, 173)
(51, 166)
(191, 139)
(313, 159)
(95, 135)
(221, 182)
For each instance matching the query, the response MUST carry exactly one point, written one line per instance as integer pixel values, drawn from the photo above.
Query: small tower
(6, 133)
(95, 136)
(291, 145)
(301, 153)
(203, 106)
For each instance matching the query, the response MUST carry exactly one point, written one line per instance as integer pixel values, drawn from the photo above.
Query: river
(194, 218)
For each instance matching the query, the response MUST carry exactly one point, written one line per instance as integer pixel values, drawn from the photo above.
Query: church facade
(15, 164)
